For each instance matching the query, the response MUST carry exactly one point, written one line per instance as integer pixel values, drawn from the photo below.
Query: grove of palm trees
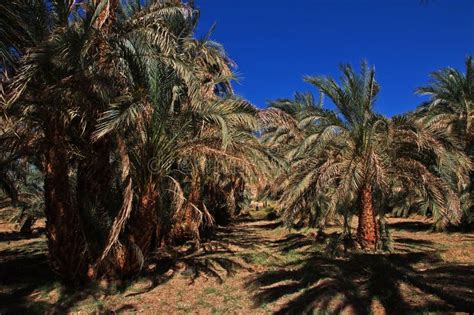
(135, 179)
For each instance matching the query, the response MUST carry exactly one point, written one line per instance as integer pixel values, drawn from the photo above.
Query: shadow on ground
(414, 279)
(400, 283)
(17, 236)
(27, 285)
(217, 258)
(412, 226)
(26, 280)
(23, 269)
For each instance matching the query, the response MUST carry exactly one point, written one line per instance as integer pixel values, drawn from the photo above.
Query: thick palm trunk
(230, 191)
(95, 173)
(144, 221)
(234, 194)
(141, 232)
(94, 177)
(239, 195)
(185, 224)
(124, 254)
(63, 229)
(193, 200)
(216, 202)
(367, 230)
(192, 224)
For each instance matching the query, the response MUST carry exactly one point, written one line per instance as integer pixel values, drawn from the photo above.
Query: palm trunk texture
(367, 229)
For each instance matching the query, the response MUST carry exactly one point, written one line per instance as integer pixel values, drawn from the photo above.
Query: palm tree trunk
(193, 200)
(142, 230)
(94, 177)
(367, 230)
(63, 229)
(184, 225)
(239, 195)
(214, 197)
(144, 221)
(124, 254)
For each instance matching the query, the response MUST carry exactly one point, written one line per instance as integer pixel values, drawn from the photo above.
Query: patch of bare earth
(256, 266)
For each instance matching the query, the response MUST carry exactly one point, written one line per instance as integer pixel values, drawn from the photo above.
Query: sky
(275, 43)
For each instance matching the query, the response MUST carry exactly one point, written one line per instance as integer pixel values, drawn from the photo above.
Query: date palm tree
(119, 95)
(350, 158)
(451, 95)
(38, 99)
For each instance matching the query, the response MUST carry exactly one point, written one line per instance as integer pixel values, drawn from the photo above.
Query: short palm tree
(350, 158)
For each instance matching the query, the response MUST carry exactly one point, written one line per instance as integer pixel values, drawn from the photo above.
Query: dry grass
(259, 267)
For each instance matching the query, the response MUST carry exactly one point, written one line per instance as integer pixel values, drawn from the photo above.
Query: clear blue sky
(275, 43)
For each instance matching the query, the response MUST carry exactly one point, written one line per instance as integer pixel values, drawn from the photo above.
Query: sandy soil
(257, 266)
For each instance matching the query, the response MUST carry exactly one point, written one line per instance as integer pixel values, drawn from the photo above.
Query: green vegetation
(121, 129)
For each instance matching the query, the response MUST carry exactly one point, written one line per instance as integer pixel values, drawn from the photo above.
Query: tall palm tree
(452, 102)
(39, 97)
(178, 98)
(351, 157)
(119, 95)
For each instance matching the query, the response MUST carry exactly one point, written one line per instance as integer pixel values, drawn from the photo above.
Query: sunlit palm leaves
(451, 106)
(335, 153)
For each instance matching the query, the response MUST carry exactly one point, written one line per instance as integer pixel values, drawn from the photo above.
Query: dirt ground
(257, 266)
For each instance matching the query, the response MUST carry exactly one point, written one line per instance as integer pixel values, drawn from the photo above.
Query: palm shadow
(412, 226)
(352, 284)
(18, 236)
(216, 258)
(291, 242)
(23, 270)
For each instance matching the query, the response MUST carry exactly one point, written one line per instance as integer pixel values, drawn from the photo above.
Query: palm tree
(39, 102)
(178, 121)
(284, 138)
(352, 157)
(452, 102)
(118, 100)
